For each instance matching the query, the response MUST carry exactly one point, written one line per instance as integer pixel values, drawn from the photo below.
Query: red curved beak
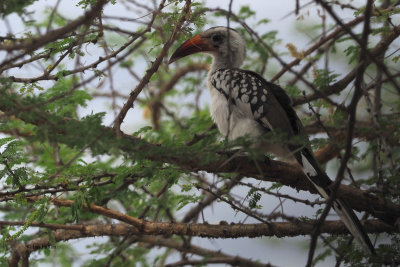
(197, 43)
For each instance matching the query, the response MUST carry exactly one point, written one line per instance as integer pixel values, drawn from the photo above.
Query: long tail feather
(352, 223)
(321, 181)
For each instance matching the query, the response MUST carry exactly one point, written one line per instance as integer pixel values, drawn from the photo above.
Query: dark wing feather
(284, 100)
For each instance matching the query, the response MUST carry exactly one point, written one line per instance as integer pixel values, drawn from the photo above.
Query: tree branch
(34, 43)
(345, 81)
(278, 229)
(273, 171)
(154, 67)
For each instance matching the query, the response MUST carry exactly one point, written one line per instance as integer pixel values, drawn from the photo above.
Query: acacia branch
(179, 73)
(349, 137)
(233, 261)
(360, 42)
(33, 43)
(157, 104)
(273, 171)
(278, 229)
(154, 66)
(209, 199)
(345, 81)
(118, 230)
(46, 75)
(333, 35)
(189, 248)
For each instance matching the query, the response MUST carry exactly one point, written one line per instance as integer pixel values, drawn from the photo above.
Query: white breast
(231, 118)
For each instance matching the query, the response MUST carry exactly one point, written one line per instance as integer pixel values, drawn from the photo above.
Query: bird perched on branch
(243, 103)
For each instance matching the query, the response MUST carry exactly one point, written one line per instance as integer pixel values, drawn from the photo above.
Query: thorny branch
(134, 94)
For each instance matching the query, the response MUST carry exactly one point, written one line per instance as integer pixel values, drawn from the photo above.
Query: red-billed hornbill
(243, 103)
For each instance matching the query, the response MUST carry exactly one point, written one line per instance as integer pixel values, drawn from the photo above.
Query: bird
(243, 103)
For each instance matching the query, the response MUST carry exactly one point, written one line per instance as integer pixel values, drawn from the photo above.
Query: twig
(154, 67)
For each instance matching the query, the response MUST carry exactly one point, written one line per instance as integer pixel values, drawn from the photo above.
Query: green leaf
(18, 6)
(353, 53)
(323, 78)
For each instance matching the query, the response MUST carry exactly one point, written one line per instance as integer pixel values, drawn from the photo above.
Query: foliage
(8, 7)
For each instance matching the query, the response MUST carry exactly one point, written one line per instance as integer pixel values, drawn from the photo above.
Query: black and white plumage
(243, 103)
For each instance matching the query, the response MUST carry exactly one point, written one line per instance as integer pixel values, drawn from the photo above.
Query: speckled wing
(256, 98)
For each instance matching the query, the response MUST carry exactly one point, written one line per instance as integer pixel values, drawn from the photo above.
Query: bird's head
(226, 45)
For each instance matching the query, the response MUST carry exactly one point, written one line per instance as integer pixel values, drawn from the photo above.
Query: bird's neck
(220, 62)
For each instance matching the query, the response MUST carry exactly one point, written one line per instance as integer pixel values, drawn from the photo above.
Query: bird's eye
(217, 38)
